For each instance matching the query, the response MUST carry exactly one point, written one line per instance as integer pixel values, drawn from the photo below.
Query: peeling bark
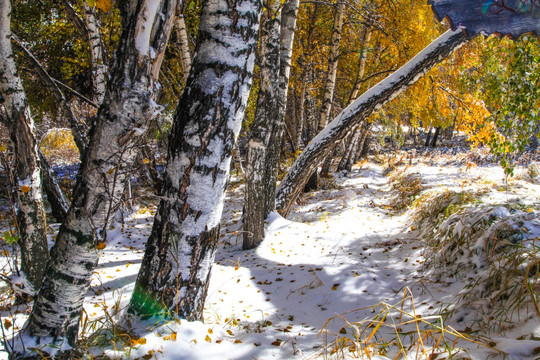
(373, 99)
(175, 271)
(121, 121)
(30, 212)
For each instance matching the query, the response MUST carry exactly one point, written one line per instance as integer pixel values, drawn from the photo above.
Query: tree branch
(78, 133)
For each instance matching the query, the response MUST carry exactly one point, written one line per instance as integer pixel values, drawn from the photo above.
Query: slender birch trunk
(182, 41)
(30, 212)
(333, 58)
(121, 121)
(362, 62)
(97, 53)
(264, 147)
(89, 28)
(330, 84)
(175, 270)
(350, 149)
(291, 186)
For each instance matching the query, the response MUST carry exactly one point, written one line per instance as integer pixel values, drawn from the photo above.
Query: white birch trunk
(30, 212)
(264, 147)
(180, 251)
(333, 58)
(183, 43)
(97, 58)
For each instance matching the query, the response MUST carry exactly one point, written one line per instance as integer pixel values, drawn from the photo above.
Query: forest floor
(345, 276)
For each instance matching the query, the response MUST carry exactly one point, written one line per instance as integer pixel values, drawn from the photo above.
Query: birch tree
(264, 147)
(317, 150)
(30, 212)
(121, 121)
(175, 270)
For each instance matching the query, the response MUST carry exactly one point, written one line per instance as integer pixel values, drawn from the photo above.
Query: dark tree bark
(55, 195)
(121, 120)
(428, 138)
(373, 99)
(435, 137)
(175, 271)
(30, 212)
(264, 147)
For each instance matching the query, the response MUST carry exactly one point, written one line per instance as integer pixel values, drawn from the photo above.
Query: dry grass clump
(396, 331)
(406, 187)
(495, 252)
(432, 207)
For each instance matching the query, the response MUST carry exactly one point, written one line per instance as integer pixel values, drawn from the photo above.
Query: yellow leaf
(5, 253)
(7, 324)
(146, 161)
(210, 331)
(173, 336)
(100, 246)
(207, 339)
(237, 341)
(104, 5)
(25, 189)
(139, 341)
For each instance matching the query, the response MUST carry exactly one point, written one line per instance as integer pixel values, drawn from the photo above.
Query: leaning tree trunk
(264, 147)
(373, 99)
(30, 212)
(121, 120)
(175, 270)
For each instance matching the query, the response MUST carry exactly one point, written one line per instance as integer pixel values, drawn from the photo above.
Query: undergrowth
(406, 187)
(494, 251)
(396, 331)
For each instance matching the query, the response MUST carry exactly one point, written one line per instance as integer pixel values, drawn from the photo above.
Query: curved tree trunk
(264, 147)
(30, 212)
(373, 99)
(175, 270)
(121, 120)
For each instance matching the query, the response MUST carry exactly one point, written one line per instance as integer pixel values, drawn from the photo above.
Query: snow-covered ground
(343, 251)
